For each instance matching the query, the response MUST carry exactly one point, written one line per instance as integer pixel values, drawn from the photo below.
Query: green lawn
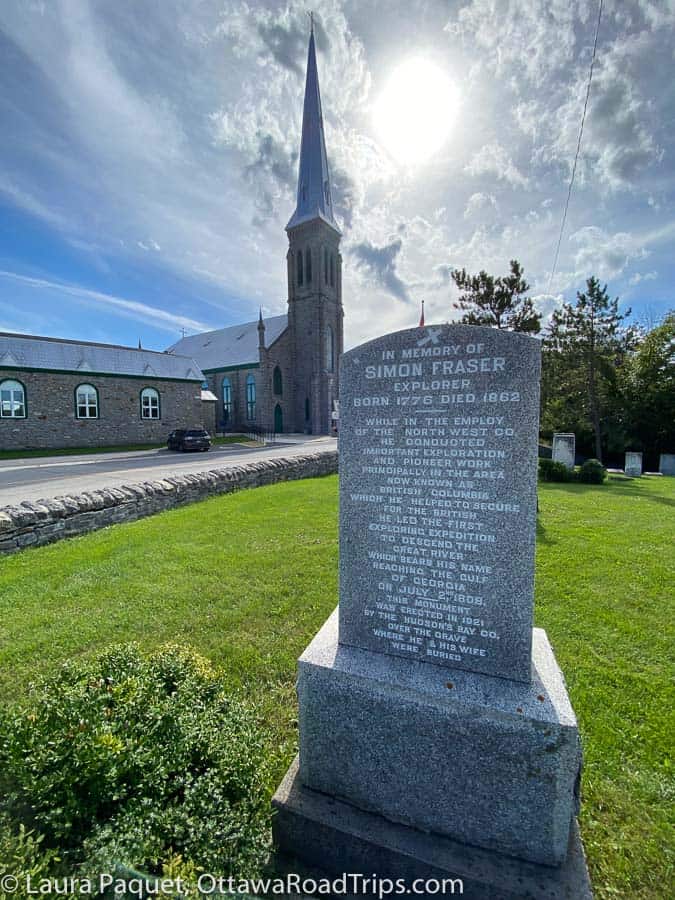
(122, 448)
(248, 579)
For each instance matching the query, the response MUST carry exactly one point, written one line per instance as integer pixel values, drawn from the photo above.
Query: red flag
(421, 325)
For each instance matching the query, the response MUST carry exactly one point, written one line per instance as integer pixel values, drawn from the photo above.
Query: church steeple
(314, 200)
(314, 267)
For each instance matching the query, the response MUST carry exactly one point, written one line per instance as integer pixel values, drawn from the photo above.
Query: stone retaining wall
(31, 524)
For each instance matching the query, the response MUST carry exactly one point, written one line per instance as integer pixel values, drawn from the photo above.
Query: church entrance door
(278, 419)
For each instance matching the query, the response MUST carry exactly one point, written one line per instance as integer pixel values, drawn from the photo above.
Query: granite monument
(667, 463)
(435, 731)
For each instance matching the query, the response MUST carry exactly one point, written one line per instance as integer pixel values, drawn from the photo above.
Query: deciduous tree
(649, 387)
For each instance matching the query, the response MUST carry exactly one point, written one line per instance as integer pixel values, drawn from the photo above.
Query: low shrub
(22, 857)
(133, 760)
(550, 470)
(592, 472)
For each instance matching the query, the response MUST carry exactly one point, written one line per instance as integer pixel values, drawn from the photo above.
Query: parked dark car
(189, 439)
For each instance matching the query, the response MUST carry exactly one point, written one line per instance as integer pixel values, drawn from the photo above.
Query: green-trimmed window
(277, 382)
(12, 400)
(227, 400)
(250, 397)
(150, 408)
(86, 401)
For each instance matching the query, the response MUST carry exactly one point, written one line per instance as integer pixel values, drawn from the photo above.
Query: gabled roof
(233, 346)
(315, 200)
(21, 351)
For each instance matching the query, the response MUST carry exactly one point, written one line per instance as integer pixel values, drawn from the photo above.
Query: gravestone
(563, 449)
(667, 463)
(438, 499)
(633, 465)
(435, 731)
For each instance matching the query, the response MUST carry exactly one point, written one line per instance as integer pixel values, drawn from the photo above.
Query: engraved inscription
(434, 431)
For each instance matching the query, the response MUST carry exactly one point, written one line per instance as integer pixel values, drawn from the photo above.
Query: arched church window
(308, 265)
(150, 408)
(332, 270)
(227, 400)
(325, 265)
(86, 402)
(299, 266)
(12, 400)
(329, 349)
(250, 397)
(277, 384)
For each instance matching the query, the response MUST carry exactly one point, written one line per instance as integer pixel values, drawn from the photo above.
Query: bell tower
(314, 273)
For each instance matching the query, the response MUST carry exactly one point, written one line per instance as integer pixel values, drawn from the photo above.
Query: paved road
(44, 477)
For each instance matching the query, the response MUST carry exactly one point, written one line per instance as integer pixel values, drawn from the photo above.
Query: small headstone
(438, 467)
(633, 465)
(563, 449)
(667, 464)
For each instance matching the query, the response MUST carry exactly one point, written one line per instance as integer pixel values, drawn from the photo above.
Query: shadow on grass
(615, 483)
(636, 487)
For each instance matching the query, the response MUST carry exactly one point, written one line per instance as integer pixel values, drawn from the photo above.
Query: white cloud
(493, 159)
(481, 207)
(602, 254)
(141, 312)
(637, 277)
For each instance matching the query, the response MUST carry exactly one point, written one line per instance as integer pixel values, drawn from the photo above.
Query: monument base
(485, 761)
(336, 838)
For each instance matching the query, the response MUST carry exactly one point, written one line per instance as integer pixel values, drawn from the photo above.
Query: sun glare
(416, 110)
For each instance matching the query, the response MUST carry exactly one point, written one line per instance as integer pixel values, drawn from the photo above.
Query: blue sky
(149, 156)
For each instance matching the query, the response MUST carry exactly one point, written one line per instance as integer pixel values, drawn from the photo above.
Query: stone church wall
(50, 411)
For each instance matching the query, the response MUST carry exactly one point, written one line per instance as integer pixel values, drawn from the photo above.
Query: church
(282, 373)
(277, 374)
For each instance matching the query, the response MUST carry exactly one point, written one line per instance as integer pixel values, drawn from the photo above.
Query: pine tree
(497, 302)
(585, 344)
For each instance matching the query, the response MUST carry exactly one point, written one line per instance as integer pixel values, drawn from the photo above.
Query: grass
(122, 448)
(249, 578)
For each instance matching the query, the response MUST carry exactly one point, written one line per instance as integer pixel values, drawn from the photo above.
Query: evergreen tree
(497, 302)
(585, 344)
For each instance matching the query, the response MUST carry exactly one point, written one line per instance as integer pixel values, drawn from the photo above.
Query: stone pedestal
(333, 838)
(383, 733)
(633, 465)
(379, 735)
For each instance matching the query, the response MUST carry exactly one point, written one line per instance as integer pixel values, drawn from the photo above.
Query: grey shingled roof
(19, 351)
(233, 346)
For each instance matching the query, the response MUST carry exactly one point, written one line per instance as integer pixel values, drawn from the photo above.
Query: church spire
(314, 187)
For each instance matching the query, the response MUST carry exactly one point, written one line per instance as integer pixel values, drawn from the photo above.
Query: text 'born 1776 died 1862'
(438, 462)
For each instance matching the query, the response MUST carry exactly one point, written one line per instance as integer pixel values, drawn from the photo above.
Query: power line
(576, 155)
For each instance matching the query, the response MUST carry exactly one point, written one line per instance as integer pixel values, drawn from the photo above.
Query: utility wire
(576, 155)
